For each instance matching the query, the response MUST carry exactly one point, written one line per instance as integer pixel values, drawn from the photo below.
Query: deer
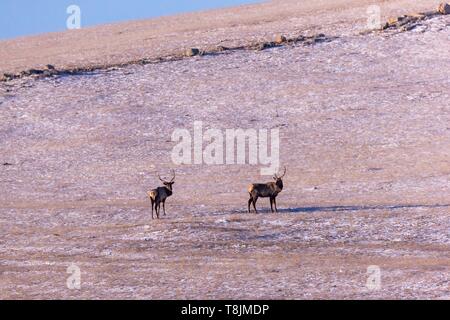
(160, 195)
(266, 190)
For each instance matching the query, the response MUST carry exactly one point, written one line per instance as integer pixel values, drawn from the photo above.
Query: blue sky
(29, 17)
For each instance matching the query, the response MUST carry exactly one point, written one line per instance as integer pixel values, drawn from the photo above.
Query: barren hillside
(364, 125)
(168, 36)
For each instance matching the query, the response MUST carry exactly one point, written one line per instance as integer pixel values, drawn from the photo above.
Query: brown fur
(266, 190)
(160, 195)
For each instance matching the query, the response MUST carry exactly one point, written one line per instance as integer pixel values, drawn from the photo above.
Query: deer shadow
(337, 209)
(356, 208)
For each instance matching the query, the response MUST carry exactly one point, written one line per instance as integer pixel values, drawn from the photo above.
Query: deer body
(266, 190)
(160, 195)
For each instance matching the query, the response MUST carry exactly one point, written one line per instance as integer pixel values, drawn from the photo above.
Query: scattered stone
(418, 16)
(444, 8)
(420, 28)
(35, 71)
(409, 27)
(192, 52)
(265, 45)
(392, 21)
(7, 164)
(48, 73)
(143, 62)
(8, 76)
(279, 39)
(320, 38)
(222, 48)
(406, 22)
(50, 67)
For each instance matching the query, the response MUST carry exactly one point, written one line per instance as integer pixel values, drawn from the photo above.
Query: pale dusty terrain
(365, 134)
(170, 36)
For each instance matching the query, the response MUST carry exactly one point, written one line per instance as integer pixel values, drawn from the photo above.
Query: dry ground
(365, 134)
(135, 40)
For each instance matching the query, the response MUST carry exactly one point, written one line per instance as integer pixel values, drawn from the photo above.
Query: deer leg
(250, 201)
(153, 202)
(157, 208)
(275, 203)
(271, 204)
(254, 203)
(164, 207)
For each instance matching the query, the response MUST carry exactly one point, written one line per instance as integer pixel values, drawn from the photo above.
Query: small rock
(444, 8)
(392, 21)
(8, 76)
(7, 164)
(409, 27)
(420, 28)
(222, 48)
(320, 37)
(50, 67)
(48, 73)
(35, 71)
(192, 52)
(404, 21)
(262, 46)
(417, 16)
(279, 39)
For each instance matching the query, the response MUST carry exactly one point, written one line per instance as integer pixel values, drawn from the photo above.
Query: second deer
(160, 195)
(266, 190)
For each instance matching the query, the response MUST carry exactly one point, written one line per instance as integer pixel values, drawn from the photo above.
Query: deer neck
(169, 190)
(279, 185)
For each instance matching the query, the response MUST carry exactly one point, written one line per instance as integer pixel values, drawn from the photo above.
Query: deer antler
(284, 173)
(173, 177)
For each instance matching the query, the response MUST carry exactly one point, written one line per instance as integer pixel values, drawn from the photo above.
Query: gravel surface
(365, 134)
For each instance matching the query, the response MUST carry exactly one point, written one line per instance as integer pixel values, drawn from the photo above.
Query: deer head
(278, 179)
(168, 184)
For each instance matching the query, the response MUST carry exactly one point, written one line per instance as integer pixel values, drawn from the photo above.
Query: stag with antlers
(160, 195)
(266, 190)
